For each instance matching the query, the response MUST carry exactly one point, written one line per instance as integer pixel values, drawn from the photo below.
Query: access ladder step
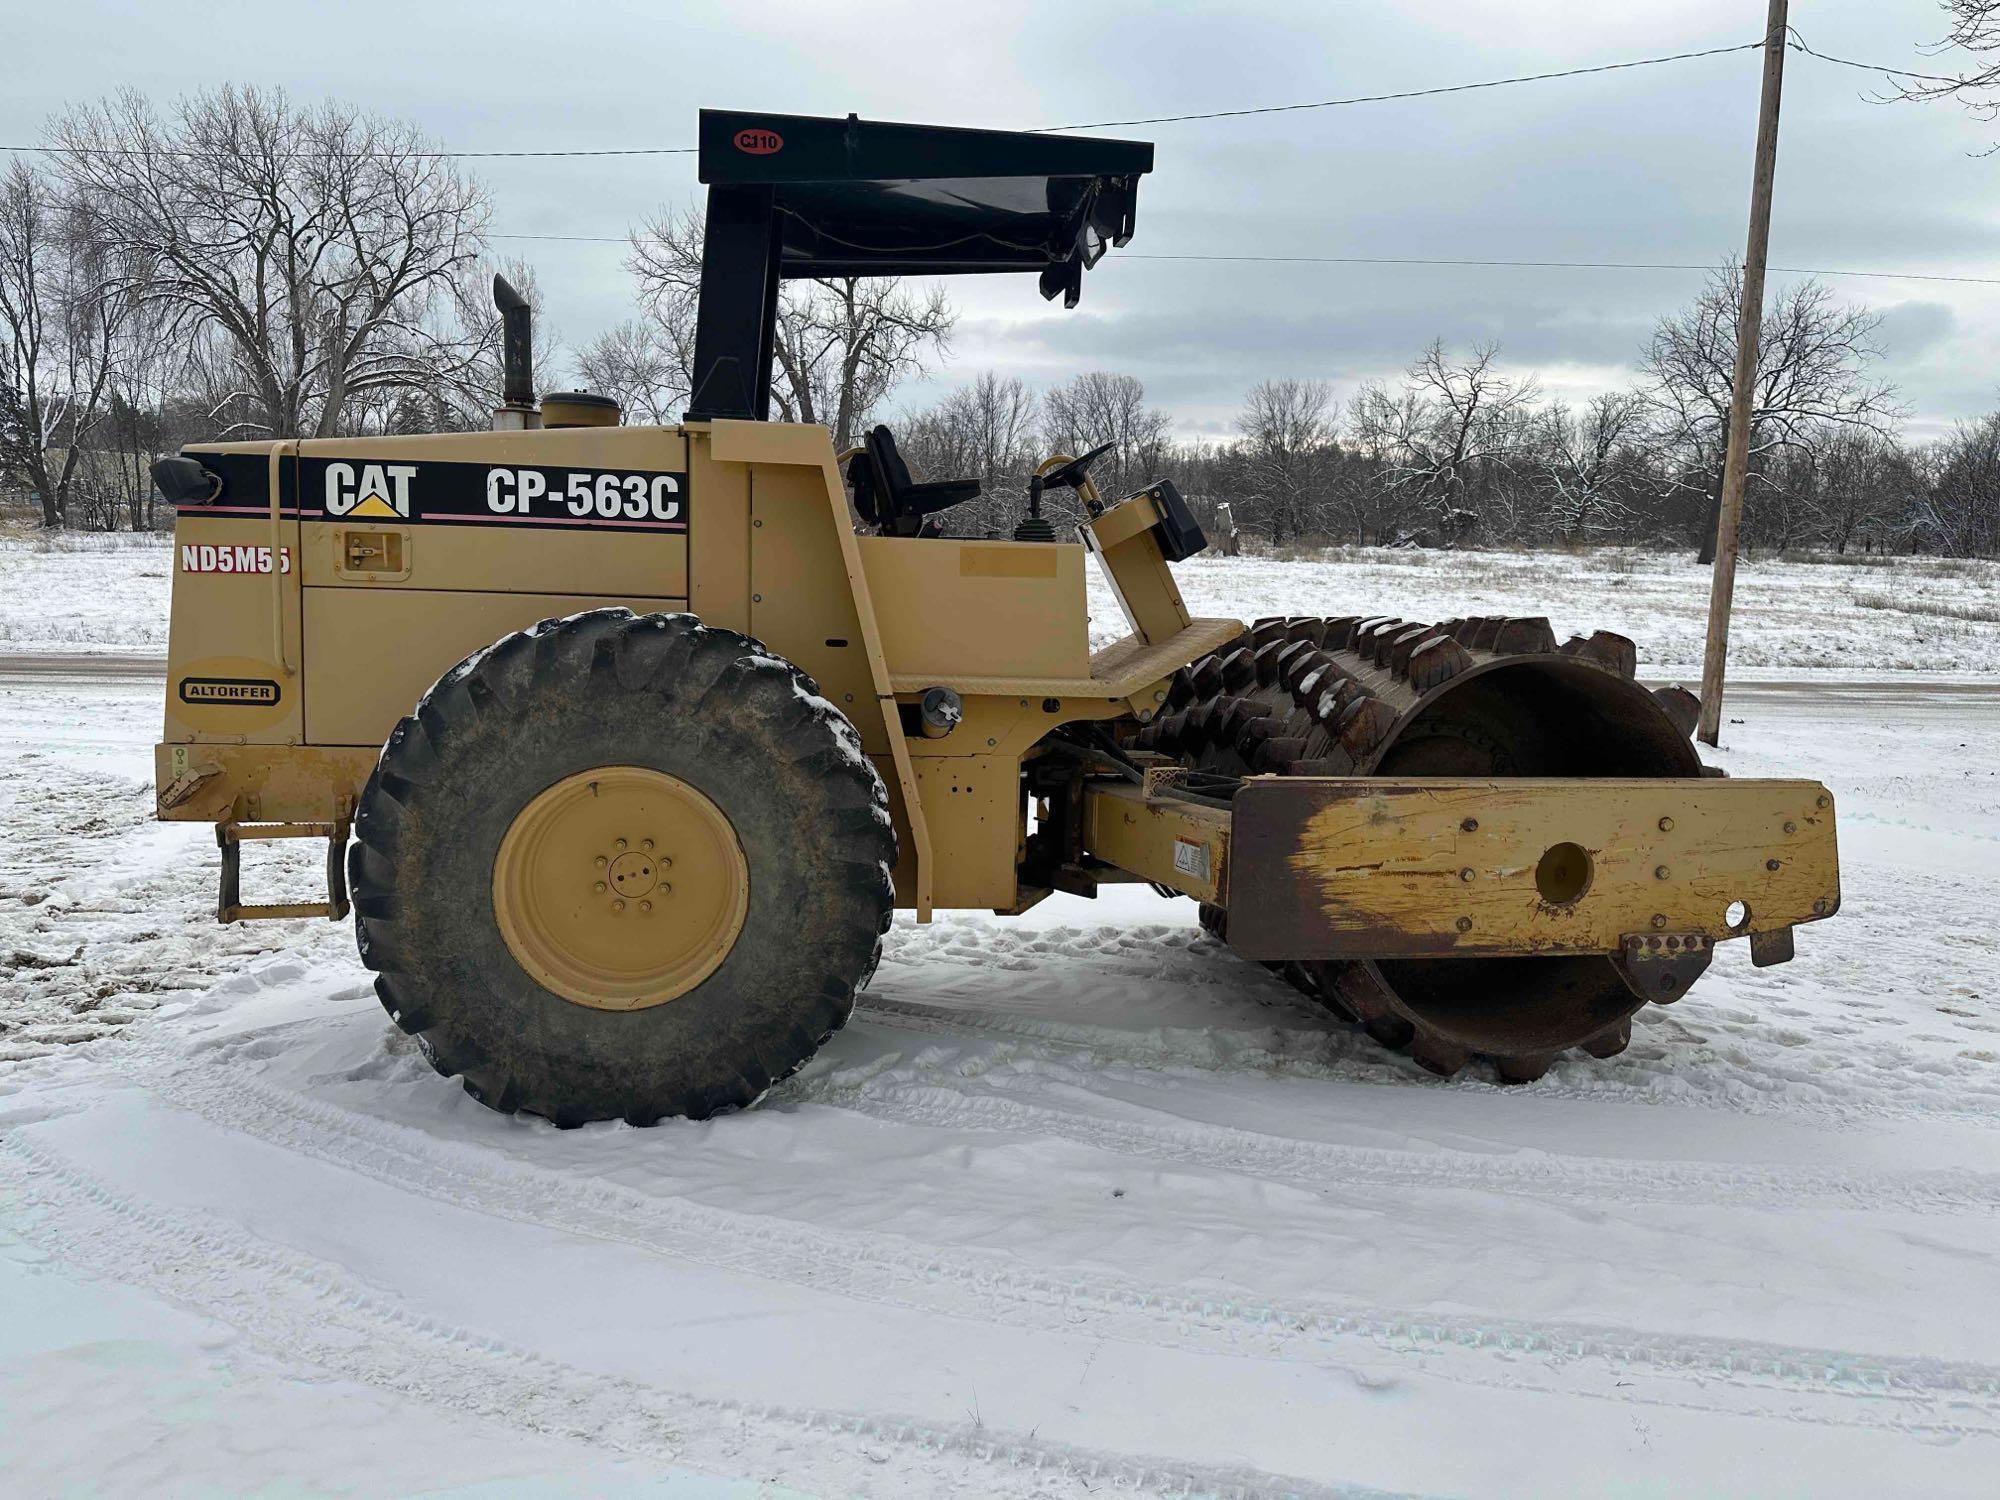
(230, 838)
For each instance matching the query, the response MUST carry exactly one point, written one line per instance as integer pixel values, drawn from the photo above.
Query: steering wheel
(1075, 473)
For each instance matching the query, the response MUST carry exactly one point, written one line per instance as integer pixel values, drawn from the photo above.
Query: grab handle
(278, 451)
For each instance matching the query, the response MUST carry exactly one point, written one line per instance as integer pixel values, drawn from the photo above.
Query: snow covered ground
(108, 594)
(1077, 1203)
(84, 592)
(1921, 614)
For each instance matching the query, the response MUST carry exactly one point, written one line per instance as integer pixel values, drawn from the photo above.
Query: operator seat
(889, 500)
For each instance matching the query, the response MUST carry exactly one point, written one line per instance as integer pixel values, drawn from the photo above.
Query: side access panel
(371, 656)
(233, 647)
(952, 609)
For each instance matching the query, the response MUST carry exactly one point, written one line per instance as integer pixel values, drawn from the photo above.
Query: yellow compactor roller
(627, 740)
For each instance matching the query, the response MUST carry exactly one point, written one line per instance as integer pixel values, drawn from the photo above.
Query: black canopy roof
(863, 198)
(804, 196)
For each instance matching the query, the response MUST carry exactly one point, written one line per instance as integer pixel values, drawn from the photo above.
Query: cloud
(1910, 329)
(1649, 164)
(1192, 344)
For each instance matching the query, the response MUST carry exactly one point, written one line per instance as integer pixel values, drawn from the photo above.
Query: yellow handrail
(278, 556)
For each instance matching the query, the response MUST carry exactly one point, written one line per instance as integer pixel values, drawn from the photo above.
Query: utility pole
(1749, 325)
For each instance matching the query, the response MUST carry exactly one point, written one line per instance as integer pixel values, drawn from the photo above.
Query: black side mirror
(183, 481)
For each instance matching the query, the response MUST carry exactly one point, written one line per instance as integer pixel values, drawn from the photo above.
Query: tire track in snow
(296, 1307)
(1334, 1055)
(925, 1095)
(1792, 1383)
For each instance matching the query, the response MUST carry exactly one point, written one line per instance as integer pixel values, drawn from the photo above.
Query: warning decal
(1191, 858)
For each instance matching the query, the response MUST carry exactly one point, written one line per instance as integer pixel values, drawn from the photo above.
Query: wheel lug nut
(665, 889)
(618, 844)
(618, 906)
(602, 861)
(601, 888)
(645, 843)
(645, 906)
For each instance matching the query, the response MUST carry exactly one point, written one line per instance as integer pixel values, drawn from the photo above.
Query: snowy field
(70, 592)
(1936, 615)
(1077, 1204)
(108, 594)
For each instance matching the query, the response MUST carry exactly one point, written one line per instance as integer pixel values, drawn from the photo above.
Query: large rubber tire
(1484, 697)
(714, 709)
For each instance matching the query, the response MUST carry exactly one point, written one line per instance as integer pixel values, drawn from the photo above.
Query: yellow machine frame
(376, 609)
(285, 676)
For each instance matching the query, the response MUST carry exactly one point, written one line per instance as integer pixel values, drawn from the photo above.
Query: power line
(1401, 260)
(1452, 88)
(1560, 265)
(492, 155)
(1223, 114)
(1798, 44)
(361, 155)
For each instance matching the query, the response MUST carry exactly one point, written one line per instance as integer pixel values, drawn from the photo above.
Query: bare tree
(637, 365)
(1856, 488)
(60, 320)
(319, 248)
(1812, 381)
(1452, 426)
(666, 263)
(1975, 28)
(1381, 424)
(147, 383)
(1098, 407)
(999, 419)
(1288, 429)
(1592, 465)
(983, 431)
(842, 344)
(1958, 512)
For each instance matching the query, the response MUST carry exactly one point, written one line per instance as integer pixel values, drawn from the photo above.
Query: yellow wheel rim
(620, 888)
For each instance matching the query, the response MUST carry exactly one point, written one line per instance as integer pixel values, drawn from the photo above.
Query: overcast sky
(1651, 164)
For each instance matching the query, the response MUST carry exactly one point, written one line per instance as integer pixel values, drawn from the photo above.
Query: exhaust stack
(517, 411)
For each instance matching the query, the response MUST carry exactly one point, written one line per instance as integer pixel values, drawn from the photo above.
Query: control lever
(1071, 474)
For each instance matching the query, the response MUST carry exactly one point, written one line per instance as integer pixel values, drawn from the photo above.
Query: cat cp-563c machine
(639, 734)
